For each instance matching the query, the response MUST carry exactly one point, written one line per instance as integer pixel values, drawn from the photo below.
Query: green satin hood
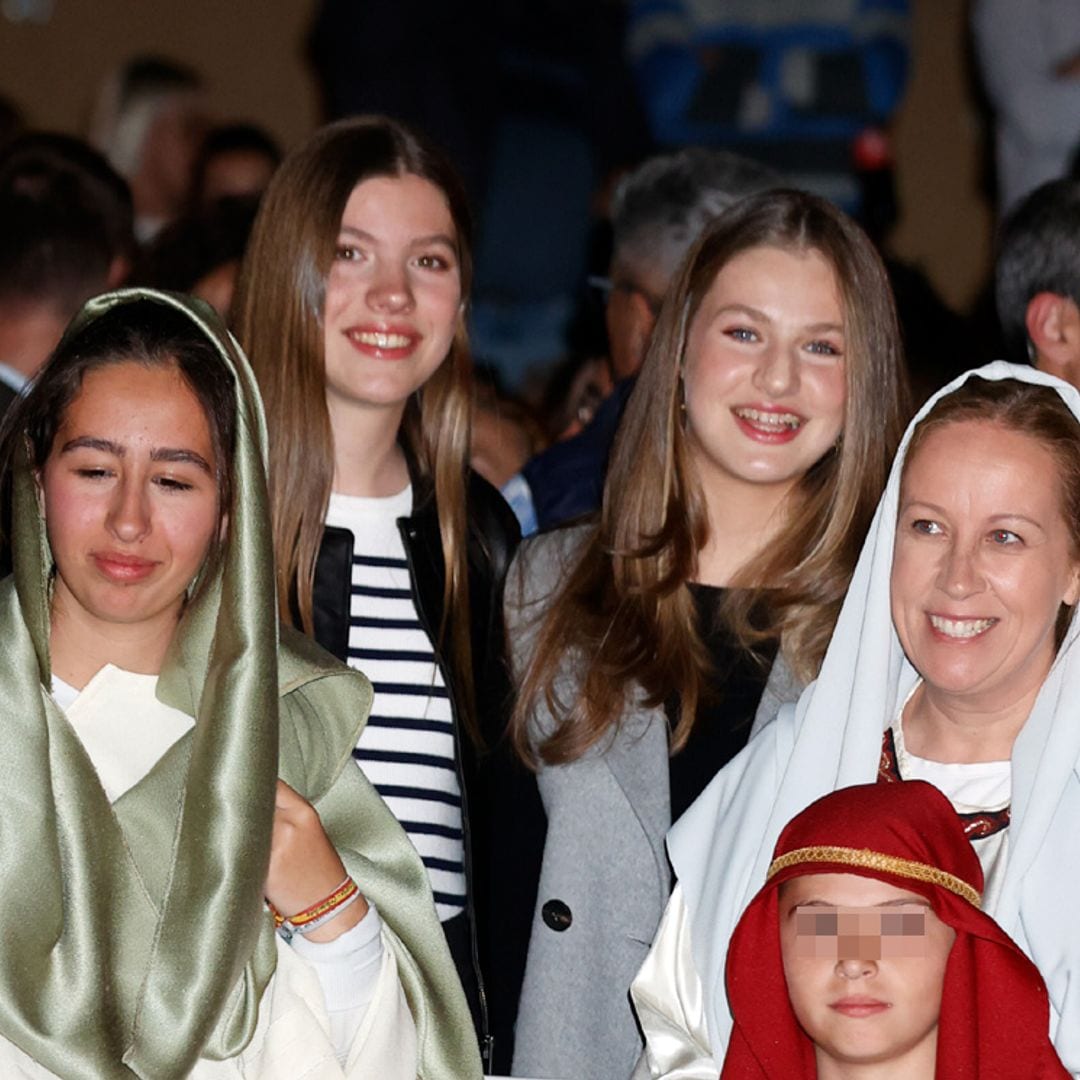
(134, 936)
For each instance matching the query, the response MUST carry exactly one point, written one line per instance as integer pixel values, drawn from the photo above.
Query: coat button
(557, 915)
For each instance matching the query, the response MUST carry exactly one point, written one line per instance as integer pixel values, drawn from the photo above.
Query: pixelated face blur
(865, 967)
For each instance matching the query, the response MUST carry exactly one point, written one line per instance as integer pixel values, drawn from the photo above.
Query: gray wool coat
(605, 878)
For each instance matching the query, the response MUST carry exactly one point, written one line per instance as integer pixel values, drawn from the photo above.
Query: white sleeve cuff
(348, 967)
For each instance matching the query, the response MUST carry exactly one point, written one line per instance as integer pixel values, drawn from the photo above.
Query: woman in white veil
(833, 738)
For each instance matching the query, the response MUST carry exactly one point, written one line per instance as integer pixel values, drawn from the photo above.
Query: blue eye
(742, 333)
(1005, 537)
(823, 348)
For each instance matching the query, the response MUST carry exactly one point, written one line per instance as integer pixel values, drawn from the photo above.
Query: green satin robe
(133, 936)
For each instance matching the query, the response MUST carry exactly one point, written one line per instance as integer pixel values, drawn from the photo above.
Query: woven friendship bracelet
(311, 918)
(876, 860)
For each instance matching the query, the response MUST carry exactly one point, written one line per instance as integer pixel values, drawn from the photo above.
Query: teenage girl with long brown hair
(744, 476)
(351, 304)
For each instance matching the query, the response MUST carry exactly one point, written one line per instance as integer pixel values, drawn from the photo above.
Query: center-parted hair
(278, 315)
(625, 608)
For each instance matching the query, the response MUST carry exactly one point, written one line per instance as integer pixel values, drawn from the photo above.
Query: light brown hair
(278, 315)
(624, 610)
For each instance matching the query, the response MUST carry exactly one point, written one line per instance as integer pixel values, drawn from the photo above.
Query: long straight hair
(624, 609)
(278, 315)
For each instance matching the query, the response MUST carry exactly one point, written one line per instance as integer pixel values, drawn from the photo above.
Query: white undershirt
(971, 787)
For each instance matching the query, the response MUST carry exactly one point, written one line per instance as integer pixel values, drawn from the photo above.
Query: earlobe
(1053, 327)
(1072, 593)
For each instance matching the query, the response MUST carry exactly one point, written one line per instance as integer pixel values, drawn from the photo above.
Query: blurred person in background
(235, 161)
(1037, 279)
(65, 234)
(505, 433)
(200, 253)
(1029, 60)
(657, 212)
(149, 121)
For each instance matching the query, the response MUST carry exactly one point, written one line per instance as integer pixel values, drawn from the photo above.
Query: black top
(725, 716)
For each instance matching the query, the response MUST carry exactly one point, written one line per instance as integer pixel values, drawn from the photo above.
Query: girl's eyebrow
(90, 442)
(164, 453)
(189, 457)
(742, 309)
(419, 241)
(754, 313)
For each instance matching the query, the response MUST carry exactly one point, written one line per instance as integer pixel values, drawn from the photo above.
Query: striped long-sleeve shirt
(407, 748)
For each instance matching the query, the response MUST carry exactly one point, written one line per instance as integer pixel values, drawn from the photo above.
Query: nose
(855, 967)
(959, 575)
(778, 372)
(390, 291)
(129, 513)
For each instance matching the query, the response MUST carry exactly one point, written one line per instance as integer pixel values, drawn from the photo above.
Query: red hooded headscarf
(994, 1011)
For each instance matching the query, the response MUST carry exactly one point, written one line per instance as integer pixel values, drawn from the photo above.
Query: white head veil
(831, 738)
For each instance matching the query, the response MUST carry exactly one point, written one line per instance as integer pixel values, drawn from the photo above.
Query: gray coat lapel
(638, 758)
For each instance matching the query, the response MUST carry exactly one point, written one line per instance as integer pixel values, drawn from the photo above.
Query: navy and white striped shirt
(407, 748)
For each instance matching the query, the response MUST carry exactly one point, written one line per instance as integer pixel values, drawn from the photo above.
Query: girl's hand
(304, 867)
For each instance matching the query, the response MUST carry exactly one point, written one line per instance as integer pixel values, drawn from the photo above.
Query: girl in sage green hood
(174, 774)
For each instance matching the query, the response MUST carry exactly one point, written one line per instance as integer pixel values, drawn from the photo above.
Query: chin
(959, 684)
(861, 1053)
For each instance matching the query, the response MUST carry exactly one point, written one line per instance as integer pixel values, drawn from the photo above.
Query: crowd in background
(563, 247)
(542, 136)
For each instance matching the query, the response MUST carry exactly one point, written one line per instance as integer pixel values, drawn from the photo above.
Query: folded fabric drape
(133, 937)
